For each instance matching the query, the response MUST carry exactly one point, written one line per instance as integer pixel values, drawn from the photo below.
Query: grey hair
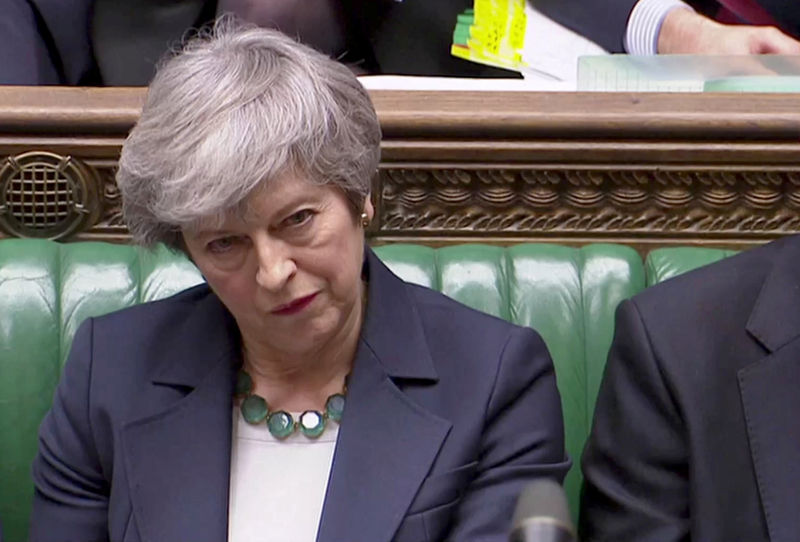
(236, 108)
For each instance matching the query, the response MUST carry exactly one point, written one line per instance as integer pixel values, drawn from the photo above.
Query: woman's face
(289, 270)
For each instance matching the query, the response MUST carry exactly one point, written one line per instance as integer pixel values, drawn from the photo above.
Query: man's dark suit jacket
(450, 412)
(696, 433)
(118, 42)
(604, 22)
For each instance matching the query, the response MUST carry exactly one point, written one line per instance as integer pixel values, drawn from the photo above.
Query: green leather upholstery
(47, 289)
(665, 263)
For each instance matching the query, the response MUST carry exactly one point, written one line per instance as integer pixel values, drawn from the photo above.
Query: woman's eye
(298, 218)
(221, 245)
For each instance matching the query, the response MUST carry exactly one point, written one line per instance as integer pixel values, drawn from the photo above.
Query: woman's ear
(369, 209)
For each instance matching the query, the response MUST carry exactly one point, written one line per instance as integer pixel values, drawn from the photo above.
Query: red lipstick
(294, 306)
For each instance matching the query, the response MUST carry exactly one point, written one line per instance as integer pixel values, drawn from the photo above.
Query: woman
(216, 413)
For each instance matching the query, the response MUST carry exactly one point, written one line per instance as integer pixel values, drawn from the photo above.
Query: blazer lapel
(386, 443)
(178, 461)
(770, 390)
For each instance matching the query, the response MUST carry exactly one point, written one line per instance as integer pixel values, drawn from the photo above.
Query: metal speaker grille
(45, 195)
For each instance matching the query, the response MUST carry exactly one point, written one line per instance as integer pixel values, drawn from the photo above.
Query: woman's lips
(295, 306)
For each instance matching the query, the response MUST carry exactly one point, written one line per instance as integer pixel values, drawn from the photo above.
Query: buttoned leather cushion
(568, 294)
(663, 264)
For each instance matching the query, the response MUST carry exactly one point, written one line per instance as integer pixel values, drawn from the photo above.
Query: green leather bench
(568, 294)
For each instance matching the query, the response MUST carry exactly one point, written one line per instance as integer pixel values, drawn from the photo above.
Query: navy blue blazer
(695, 433)
(450, 412)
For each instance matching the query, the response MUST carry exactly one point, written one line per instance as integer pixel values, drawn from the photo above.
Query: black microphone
(542, 514)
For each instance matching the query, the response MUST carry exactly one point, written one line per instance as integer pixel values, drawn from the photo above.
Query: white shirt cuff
(644, 25)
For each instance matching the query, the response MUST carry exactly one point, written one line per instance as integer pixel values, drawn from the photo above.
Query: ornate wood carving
(643, 169)
(111, 217)
(590, 202)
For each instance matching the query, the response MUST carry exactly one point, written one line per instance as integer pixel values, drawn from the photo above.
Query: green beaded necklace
(280, 423)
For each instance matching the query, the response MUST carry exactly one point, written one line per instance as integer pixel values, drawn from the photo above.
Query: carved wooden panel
(643, 169)
(608, 203)
(110, 219)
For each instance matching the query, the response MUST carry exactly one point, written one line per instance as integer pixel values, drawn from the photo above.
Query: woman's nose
(275, 264)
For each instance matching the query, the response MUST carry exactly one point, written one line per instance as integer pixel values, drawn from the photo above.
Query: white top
(277, 488)
(644, 25)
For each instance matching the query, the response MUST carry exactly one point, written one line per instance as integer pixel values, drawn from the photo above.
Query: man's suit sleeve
(602, 21)
(635, 461)
(24, 56)
(523, 439)
(71, 494)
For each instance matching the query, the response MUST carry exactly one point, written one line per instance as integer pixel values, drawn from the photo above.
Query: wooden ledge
(456, 114)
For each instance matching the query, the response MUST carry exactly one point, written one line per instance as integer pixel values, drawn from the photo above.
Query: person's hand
(686, 32)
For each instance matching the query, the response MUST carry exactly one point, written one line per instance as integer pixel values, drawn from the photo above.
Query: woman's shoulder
(476, 354)
(174, 340)
(428, 300)
(455, 323)
(152, 314)
(147, 333)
